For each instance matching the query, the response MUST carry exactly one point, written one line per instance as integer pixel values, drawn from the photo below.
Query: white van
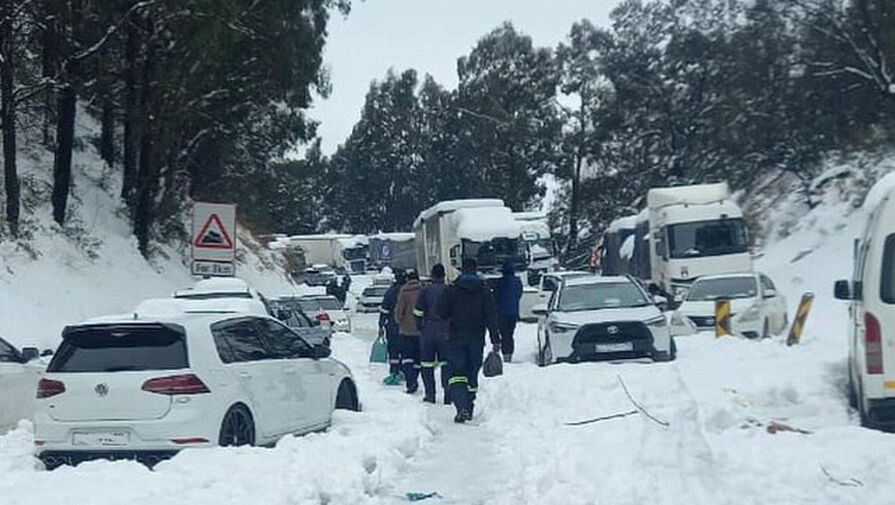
(871, 350)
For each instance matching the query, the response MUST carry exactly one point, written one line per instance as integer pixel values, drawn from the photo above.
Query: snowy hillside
(53, 277)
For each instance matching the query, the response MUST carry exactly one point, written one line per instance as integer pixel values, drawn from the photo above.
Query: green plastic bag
(379, 351)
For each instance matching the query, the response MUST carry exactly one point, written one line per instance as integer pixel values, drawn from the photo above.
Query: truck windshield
(495, 252)
(707, 238)
(354, 253)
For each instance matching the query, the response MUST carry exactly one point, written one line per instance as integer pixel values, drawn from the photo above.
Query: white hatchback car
(146, 387)
(19, 373)
(602, 317)
(371, 298)
(757, 308)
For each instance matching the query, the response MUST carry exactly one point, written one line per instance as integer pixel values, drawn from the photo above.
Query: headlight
(751, 314)
(563, 327)
(656, 322)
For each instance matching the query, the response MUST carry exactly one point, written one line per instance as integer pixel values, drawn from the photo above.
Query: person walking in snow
(507, 294)
(433, 341)
(468, 307)
(408, 332)
(389, 328)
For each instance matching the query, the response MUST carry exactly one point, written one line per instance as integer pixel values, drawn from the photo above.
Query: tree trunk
(65, 138)
(49, 60)
(107, 130)
(130, 107)
(575, 204)
(8, 119)
(147, 178)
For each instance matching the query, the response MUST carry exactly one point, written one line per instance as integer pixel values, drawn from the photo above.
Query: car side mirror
(842, 290)
(540, 309)
(770, 293)
(321, 351)
(30, 354)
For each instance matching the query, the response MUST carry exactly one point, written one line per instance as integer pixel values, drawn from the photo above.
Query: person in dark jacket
(409, 333)
(468, 307)
(389, 328)
(507, 294)
(434, 336)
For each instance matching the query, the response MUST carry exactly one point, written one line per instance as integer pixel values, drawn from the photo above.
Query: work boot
(429, 399)
(412, 388)
(461, 417)
(507, 358)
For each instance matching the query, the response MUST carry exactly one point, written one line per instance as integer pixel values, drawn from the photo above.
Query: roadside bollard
(798, 324)
(722, 318)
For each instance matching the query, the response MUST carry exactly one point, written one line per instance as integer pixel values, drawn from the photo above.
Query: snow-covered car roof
(734, 275)
(216, 285)
(158, 307)
(594, 279)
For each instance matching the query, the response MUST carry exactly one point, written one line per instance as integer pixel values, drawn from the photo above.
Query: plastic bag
(379, 351)
(493, 365)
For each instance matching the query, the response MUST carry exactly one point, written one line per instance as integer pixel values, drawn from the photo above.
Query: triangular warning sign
(213, 235)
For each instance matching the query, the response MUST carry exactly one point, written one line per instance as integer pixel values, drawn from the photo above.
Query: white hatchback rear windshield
(121, 348)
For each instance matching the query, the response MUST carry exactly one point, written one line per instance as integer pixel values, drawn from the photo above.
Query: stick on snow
(640, 407)
(604, 418)
(850, 482)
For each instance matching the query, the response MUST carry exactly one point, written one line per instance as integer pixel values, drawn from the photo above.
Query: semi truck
(395, 250)
(342, 252)
(483, 229)
(693, 231)
(540, 250)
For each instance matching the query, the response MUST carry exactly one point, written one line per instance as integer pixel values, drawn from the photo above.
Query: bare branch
(640, 407)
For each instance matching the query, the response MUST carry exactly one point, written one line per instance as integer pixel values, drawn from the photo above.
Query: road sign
(213, 239)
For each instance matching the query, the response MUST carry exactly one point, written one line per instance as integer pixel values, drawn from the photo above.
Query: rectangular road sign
(214, 268)
(213, 238)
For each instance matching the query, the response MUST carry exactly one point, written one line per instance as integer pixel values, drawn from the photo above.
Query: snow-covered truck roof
(623, 223)
(394, 237)
(486, 223)
(354, 241)
(453, 205)
(697, 194)
(530, 216)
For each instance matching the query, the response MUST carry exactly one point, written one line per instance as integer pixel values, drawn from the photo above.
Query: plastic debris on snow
(415, 497)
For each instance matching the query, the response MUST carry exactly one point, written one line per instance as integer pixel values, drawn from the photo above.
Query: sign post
(213, 241)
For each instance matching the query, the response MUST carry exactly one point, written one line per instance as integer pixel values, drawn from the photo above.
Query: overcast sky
(428, 35)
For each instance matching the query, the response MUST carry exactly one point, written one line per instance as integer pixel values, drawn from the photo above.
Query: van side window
(887, 279)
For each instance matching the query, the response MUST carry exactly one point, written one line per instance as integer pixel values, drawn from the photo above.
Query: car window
(283, 342)
(8, 353)
(604, 295)
(767, 284)
(121, 348)
(239, 341)
(309, 305)
(887, 279)
(723, 288)
(330, 304)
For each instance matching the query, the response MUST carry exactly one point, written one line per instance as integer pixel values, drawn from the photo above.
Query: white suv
(146, 387)
(602, 317)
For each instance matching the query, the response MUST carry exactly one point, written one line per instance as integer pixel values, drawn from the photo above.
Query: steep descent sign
(214, 239)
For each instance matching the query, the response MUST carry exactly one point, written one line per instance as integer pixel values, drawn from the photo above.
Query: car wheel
(346, 398)
(237, 428)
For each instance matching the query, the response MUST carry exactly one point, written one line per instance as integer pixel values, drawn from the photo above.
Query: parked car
(19, 372)
(602, 317)
(871, 338)
(146, 387)
(219, 288)
(548, 283)
(326, 309)
(290, 311)
(317, 275)
(371, 298)
(757, 309)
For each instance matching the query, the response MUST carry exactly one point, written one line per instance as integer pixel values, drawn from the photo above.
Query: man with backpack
(434, 337)
(468, 307)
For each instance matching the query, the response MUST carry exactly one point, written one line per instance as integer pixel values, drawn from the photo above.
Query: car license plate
(621, 347)
(101, 439)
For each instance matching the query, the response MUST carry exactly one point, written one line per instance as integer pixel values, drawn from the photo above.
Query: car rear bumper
(55, 459)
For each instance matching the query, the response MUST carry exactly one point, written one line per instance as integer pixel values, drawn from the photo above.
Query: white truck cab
(871, 291)
(695, 231)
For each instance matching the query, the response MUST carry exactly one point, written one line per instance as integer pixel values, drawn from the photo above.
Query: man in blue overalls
(389, 327)
(434, 336)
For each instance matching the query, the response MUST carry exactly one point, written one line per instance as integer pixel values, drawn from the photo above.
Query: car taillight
(873, 344)
(187, 384)
(48, 387)
(323, 317)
